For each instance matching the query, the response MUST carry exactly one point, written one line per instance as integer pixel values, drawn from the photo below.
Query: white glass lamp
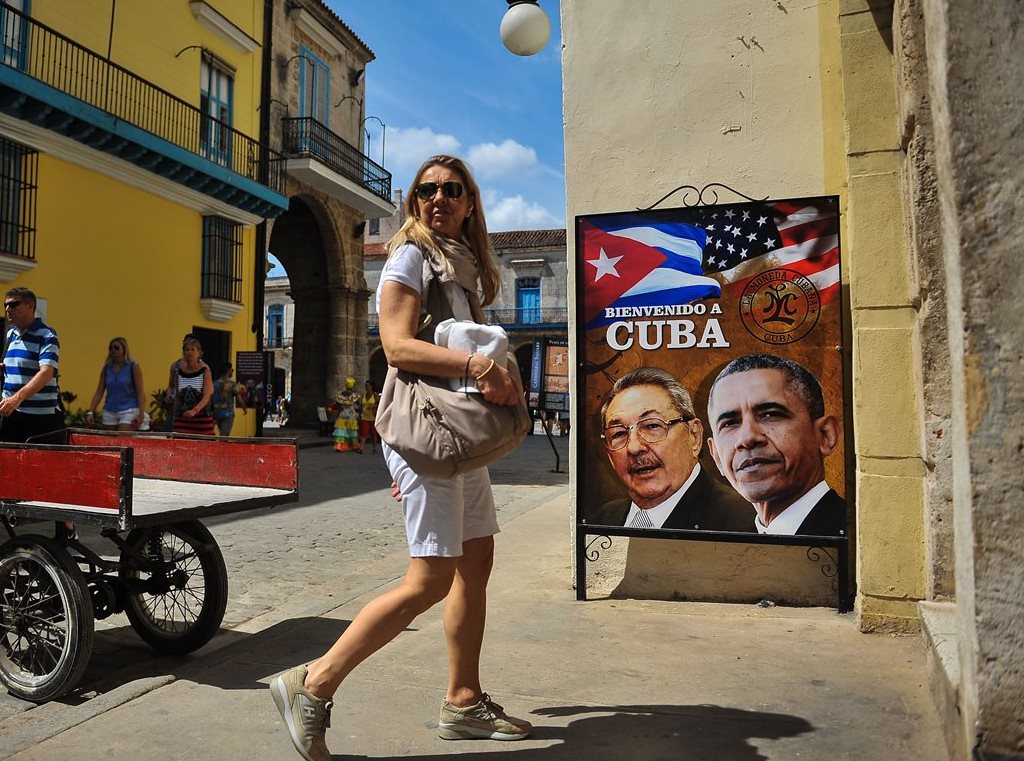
(525, 29)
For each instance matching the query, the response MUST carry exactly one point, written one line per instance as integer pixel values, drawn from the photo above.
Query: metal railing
(305, 136)
(529, 316)
(19, 173)
(505, 317)
(58, 61)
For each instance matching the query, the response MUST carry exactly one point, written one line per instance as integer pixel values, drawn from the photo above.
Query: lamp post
(525, 28)
(383, 134)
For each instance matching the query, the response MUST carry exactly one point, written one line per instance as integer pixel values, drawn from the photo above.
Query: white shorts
(125, 417)
(442, 513)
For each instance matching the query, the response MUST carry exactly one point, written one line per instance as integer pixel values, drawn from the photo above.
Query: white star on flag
(604, 265)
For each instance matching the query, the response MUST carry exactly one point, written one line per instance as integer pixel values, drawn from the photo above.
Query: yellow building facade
(139, 126)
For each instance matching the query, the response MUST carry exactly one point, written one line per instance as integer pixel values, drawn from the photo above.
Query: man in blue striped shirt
(29, 403)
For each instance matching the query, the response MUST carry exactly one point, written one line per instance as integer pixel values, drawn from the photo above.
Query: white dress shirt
(660, 513)
(788, 521)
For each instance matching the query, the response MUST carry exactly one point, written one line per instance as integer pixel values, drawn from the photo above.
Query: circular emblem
(780, 306)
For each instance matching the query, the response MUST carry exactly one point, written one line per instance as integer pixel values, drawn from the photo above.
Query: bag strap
(437, 305)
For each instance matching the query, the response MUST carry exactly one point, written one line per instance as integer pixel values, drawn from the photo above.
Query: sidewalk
(600, 680)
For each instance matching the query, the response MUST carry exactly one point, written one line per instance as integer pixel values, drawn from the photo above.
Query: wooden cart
(148, 493)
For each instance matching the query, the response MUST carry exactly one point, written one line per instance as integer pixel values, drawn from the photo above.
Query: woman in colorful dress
(192, 389)
(346, 426)
(367, 430)
(121, 381)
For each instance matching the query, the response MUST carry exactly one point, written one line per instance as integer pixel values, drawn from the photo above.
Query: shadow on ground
(596, 733)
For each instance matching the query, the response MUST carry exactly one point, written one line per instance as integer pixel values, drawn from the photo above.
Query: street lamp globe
(525, 28)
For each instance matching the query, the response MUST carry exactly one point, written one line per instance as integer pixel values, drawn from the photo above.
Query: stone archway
(327, 286)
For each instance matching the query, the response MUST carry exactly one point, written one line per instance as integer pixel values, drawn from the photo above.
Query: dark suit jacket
(827, 518)
(707, 506)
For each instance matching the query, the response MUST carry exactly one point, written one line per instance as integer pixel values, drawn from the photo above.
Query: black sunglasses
(12, 304)
(427, 190)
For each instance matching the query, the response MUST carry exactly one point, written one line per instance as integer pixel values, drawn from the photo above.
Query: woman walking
(121, 382)
(192, 388)
(450, 523)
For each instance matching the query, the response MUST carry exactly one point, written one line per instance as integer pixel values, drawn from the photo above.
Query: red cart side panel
(206, 460)
(90, 479)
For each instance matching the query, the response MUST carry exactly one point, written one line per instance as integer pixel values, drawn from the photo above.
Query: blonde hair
(474, 227)
(124, 343)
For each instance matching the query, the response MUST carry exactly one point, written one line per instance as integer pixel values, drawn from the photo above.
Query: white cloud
(514, 213)
(407, 148)
(509, 159)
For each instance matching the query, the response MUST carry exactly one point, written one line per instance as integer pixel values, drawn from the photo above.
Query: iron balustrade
(507, 318)
(19, 173)
(58, 61)
(528, 316)
(305, 136)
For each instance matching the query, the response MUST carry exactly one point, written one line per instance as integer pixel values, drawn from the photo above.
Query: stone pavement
(603, 679)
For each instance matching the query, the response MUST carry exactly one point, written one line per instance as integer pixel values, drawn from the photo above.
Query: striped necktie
(641, 520)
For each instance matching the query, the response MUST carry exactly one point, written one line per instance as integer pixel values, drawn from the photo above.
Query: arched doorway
(327, 287)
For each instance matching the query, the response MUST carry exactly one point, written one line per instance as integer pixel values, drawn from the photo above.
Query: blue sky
(443, 82)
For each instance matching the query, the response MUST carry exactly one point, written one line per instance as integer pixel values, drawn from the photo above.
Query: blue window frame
(216, 101)
(275, 326)
(528, 299)
(314, 87)
(14, 34)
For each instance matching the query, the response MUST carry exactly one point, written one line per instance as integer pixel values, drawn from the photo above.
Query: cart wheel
(175, 600)
(46, 619)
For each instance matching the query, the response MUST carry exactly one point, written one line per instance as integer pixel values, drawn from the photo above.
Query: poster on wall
(255, 373)
(549, 375)
(711, 369)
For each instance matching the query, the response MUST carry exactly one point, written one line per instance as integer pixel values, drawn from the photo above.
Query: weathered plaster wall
(658, 94)
(977, 100)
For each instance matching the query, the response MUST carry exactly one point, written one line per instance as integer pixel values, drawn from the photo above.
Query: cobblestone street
(343, 537)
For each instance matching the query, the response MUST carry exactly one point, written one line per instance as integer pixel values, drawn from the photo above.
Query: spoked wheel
(46, 619)
(175, 585)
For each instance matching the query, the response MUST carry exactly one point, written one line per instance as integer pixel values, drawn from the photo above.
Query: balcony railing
(305, 136)
(57, 61)
(507, 318)
(527, 317)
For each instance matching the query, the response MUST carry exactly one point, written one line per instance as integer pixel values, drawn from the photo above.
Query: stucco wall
(660, 94)
(977, 101)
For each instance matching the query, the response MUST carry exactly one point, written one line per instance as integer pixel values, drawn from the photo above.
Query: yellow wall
(113, 260)
(886, 384)
(148, 34)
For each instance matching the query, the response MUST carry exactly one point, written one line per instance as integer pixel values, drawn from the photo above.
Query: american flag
(640, 261)
(747, 239)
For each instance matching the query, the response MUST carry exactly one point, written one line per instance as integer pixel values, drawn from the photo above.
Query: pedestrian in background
(225, 393)
(346, 425)
(367, 430)
(121, 382)
(30, 404)
(450, 523)
(193, 388)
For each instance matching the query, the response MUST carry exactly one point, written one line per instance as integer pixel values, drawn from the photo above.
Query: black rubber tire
(46, 619)
(189, 613)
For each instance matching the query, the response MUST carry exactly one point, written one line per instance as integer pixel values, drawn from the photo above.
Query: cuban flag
(629, 261)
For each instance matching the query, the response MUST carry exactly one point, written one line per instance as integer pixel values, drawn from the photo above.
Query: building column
(347, 339)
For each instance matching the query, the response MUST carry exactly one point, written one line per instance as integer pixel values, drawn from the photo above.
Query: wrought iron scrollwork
(603, 543)
(694, 196)
(829, 564)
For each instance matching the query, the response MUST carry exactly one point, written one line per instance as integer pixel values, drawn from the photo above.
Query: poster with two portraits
(710, 372)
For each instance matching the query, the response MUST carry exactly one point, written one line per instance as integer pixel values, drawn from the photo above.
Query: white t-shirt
(405, 266)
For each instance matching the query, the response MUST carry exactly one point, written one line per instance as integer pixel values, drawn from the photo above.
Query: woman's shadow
(647, 733)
